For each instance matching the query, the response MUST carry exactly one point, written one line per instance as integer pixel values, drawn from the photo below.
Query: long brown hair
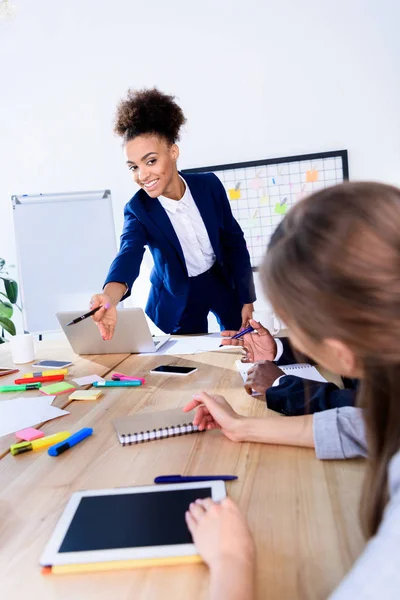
(334, 270)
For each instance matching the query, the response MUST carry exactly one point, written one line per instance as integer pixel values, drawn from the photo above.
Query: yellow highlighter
(40, 444)
(45, 373)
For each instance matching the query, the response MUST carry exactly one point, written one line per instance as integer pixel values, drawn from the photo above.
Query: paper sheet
(26, 412)
(190, 345)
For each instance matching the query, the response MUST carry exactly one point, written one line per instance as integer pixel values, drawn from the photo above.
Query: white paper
(27, 412)
(304, 371)
(190, 345)
(88, 379)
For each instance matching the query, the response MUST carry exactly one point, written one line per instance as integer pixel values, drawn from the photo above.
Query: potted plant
(8, 299)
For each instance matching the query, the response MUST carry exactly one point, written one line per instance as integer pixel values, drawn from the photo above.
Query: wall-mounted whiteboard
(261, 192)
(65, 245)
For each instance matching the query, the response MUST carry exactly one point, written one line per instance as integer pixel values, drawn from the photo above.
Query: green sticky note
(54, 389)
(280, 209)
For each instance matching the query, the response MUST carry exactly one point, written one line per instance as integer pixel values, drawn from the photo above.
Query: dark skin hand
(262, 376)
(259, 345)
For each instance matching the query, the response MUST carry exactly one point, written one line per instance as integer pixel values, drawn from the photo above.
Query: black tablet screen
(131, 520)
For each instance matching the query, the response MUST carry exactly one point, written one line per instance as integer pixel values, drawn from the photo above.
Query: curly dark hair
(148, 112)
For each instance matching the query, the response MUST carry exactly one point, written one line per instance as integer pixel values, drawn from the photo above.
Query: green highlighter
(20, 388)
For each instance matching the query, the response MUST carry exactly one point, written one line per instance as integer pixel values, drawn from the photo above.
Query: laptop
(132, 334)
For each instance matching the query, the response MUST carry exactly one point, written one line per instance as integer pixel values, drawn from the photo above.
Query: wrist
(230, 562)
(114, 291)
(238, 429)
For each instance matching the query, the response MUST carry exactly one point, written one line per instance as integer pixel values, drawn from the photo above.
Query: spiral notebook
(304, 371)
(146, 427)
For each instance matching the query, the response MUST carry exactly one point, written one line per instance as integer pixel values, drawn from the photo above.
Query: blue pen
(242, 333)
(74, 439)
(191, 478)
(239, 335)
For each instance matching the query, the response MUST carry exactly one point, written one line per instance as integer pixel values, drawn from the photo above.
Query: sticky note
(312, 176)
(280, 209)
(29, 434)
(57, 388)
(256, 183)
(87, 379)
(234, 194)
(86, 395)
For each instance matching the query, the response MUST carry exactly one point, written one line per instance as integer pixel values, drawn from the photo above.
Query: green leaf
(6, 309)
(11, 289)
(2, 263)
(8, 325)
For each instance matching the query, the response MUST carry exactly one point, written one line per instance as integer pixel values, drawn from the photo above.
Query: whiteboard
(261, 192)
(65, 244)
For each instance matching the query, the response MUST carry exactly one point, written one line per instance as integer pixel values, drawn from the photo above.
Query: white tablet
(129, 527)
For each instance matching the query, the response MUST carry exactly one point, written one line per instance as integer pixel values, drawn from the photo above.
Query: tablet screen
(131, 520)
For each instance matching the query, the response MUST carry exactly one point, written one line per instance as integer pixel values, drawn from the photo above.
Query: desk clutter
(130, 430)
(170, 546)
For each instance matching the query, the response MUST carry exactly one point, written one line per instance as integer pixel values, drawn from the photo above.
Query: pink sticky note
(29, 434)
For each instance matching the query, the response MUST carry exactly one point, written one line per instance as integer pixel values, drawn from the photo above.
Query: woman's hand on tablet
(222, 537)
(106, 316)
(214, 412)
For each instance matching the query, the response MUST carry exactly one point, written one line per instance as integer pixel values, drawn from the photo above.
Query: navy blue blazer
(147, 224)
(296, 396)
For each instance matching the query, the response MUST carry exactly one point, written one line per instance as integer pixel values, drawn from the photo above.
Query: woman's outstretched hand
(106, 317)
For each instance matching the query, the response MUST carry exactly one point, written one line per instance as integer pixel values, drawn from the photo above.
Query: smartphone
(173, 370)
(7, 371)
(52, 364)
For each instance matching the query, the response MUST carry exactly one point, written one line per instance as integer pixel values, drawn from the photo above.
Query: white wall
(278, 77)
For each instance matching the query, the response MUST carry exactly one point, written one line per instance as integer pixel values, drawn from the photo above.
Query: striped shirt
(340, 433)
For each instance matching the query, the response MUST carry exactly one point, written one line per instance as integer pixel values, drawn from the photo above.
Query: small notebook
(146, 427)
(304, 371)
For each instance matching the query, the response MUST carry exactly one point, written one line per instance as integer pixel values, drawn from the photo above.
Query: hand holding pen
(258, 342)
(86, 315)
(105, 316)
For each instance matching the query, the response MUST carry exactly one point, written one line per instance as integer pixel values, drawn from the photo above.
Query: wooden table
(303, 512)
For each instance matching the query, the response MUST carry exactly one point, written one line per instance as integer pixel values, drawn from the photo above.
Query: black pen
(86, 315)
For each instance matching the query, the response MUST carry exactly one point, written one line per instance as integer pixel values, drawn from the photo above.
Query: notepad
(86, 395)
(29, 434)
(304, 371)
(146, 427)
(57, 388)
